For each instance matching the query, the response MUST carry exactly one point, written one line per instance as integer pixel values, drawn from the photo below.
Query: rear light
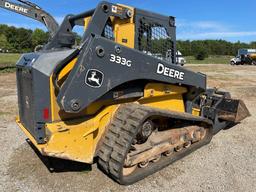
(46, 114)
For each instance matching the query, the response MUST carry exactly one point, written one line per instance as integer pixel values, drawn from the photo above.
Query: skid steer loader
(118, 98)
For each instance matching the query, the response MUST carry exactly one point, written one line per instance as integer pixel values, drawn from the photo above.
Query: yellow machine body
(118, 97)
(78, 139)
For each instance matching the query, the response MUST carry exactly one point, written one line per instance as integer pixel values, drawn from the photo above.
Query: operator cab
(150, 33)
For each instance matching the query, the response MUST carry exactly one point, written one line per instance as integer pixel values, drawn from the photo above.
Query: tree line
(20, 40)
(212, 47)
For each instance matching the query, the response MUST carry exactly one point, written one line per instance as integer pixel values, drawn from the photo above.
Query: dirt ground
(227, 164)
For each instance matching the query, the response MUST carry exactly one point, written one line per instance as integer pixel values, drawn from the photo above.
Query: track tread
(119, 137)
(121, 133)
(115, 141)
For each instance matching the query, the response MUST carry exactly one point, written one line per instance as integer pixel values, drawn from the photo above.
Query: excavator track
(126, 160)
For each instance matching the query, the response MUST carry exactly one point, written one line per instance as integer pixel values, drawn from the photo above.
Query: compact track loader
(118, 98)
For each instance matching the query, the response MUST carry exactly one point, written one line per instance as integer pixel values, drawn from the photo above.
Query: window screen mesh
(155, 41)
(108, 31)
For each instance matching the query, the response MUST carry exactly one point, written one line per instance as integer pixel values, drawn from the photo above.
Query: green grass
(213, 59)
(8, 61)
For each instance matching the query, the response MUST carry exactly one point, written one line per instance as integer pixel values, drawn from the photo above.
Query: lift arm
(33, 11)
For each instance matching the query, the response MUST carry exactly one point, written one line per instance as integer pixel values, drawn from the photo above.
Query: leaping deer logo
(94, 78)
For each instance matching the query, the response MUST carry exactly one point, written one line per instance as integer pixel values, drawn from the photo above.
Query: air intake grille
(154, 40)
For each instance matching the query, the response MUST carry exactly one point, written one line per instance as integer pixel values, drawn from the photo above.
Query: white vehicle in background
(236, 60)
(180, 60)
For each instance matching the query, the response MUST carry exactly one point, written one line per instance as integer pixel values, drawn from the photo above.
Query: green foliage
(212, 47)
(161, 46)
(4, 44)
(201, 55)
(156, 46)
(212, 59)
(39, 37)
(20, 40)
(78, 38)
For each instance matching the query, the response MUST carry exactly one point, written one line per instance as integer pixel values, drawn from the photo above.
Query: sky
(198, 19)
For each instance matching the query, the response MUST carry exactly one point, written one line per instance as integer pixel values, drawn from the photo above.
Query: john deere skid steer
(118, 98)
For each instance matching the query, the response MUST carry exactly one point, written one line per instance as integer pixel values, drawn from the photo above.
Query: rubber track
(118, 127)
(120, 134)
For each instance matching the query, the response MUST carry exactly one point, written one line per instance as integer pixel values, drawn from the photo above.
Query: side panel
(125, 30)
(26, 107)
(76, 139)
(95, 75)
(33, 81)
(164, 96)
(125, 34)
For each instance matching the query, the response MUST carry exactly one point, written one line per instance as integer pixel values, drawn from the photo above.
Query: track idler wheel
(145, 131)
